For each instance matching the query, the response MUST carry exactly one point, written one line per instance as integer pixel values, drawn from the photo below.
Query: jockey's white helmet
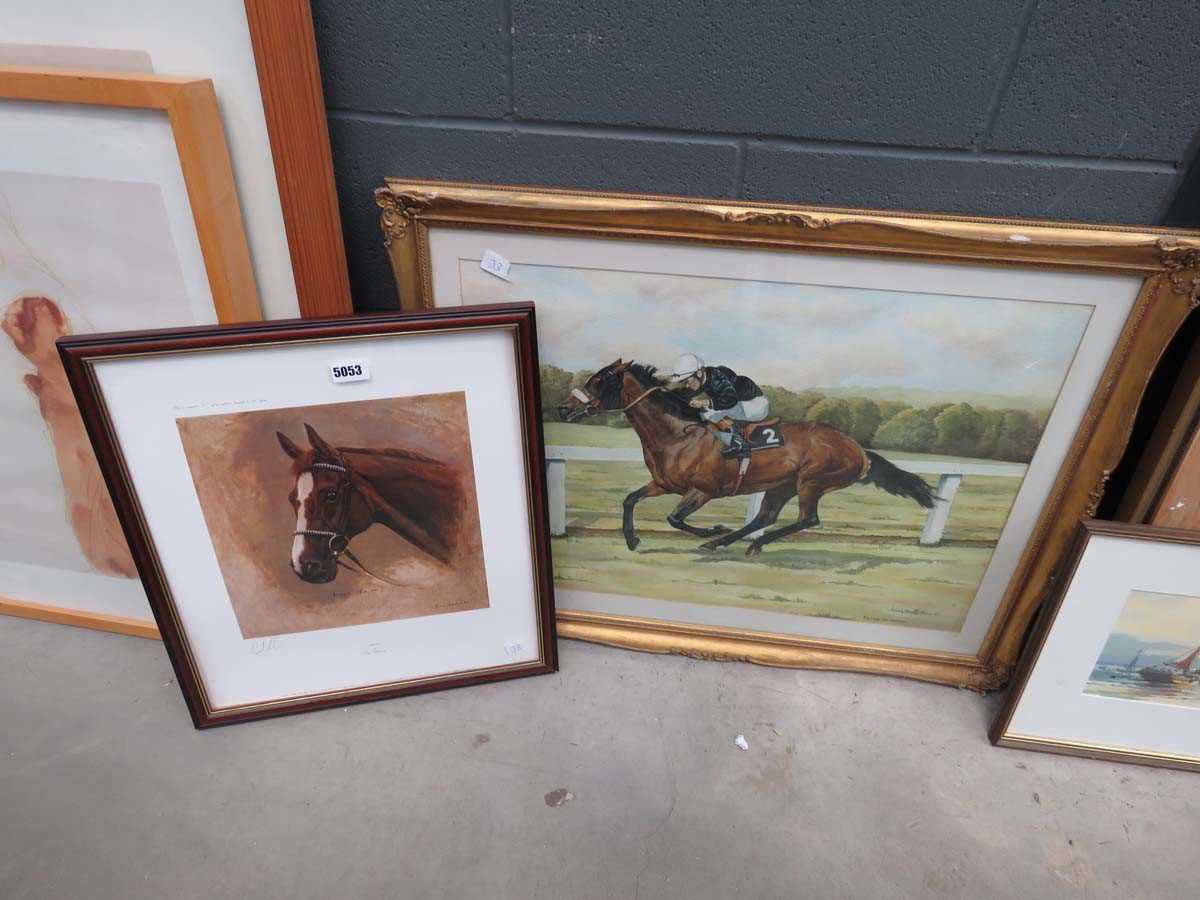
(687, 365)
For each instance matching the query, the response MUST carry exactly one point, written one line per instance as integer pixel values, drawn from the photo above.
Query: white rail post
(935, 522)
(753, 505)
(556, 495)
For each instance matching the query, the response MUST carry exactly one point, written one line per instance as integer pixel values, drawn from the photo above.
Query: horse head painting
(686, 456)
(339, 492)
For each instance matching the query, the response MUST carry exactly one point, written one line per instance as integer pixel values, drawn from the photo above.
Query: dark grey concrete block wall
(1072, 109)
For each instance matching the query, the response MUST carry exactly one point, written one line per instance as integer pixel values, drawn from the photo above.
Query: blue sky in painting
(797, 336)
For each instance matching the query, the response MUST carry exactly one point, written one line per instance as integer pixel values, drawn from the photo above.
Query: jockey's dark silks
(724, 387)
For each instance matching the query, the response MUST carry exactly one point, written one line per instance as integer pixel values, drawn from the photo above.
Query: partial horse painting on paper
(77, 255)
(341, 514)
(33, 324)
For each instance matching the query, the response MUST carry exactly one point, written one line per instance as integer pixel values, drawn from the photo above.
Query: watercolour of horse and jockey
(887, 408)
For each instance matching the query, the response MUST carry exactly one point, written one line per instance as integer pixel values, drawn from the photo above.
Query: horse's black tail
(895, 480)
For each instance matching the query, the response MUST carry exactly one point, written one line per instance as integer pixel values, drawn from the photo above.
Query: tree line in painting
(956, 429)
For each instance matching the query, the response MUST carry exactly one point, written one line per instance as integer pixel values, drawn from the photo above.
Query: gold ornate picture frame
(1165, 262)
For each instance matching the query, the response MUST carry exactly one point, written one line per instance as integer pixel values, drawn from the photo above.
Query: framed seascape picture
(117, 210)
(330, 511)
(1113, 671)
(809, 437)
(262, 60)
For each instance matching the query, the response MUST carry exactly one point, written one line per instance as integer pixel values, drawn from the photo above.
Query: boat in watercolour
(1176, 671)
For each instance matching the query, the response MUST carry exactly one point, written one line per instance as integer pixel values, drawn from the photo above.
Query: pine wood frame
(80, 353)
(999, 733)
(289, 78)
(191, 108)
(1168, 260)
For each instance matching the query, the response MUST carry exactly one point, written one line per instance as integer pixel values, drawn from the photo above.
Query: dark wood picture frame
(80, 353)
(289, 78)
(999, 731)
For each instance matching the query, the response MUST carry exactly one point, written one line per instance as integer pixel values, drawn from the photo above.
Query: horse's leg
(650, 489)
(692, 501)
(809, 494)
(772, 503)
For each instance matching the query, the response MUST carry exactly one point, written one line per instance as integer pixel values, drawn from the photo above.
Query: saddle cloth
(764, 435)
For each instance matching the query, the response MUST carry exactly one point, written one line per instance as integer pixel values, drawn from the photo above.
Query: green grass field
(863, 563)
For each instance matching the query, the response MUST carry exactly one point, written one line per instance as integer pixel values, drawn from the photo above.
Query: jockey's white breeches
(753, 410)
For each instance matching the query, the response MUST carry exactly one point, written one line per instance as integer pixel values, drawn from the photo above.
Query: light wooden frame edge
(1167, 259)
(289, 77)
(998, 733)
(191, 108)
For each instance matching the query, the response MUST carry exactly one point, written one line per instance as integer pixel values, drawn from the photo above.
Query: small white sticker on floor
(494, 264)
(741, 742)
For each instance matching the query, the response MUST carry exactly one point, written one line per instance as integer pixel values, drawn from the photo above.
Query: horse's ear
(288, 446)
(319, 444)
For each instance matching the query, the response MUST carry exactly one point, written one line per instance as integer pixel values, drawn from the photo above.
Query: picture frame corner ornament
(1181, 263)
(991, 677)
(398, 209)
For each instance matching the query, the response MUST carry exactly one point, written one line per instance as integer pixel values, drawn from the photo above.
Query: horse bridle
(595, 405)
(338, 541)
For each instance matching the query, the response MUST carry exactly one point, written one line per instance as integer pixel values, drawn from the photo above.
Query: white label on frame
(350, 370)
(494, 264)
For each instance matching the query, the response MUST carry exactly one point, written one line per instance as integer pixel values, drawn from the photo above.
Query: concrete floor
(616, 778)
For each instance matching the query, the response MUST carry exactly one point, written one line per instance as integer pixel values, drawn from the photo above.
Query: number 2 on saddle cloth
(755, 436)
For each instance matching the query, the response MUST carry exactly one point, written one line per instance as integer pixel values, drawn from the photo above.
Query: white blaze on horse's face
(304, 489)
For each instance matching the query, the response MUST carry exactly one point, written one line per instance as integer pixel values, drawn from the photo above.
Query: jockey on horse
(723, 397)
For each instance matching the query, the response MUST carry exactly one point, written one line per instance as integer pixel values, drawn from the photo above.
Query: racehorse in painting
(340, 492)
(684, 456)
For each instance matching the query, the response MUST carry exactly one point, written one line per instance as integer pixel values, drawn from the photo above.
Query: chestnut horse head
(619, 386)
(600, 393)
(340, 492)
(329, 510)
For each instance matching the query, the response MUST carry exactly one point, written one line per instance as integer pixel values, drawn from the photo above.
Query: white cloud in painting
(795, 335)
